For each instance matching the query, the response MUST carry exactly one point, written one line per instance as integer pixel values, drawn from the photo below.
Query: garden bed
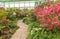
(6, 31)
(44, 21)
(8, 21)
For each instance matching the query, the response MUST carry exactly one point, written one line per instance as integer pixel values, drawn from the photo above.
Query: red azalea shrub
(49, 16)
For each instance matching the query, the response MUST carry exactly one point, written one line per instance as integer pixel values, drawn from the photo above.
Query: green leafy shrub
(0, 37)
(7, 22)
(10, 9)
(12, 24)
(11, 14)
(29, 18)
(26, 11)
(3, 14)
(1, 28)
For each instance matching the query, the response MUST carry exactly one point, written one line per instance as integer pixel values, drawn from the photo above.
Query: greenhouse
(29, 19)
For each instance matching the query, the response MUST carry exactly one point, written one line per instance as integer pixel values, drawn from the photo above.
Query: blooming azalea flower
(44, 25)
(49, 16)
(50, 8)
(50, 27)
(56, 17)
(52, 19)
(48, 20)
(38, 9)
(56, 22)
(57, 7)
(59, 14)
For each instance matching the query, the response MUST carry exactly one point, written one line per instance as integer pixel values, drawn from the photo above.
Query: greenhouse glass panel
(21, 3)
(11, 5)
(7, 5)
(38, 2)
(14, 0)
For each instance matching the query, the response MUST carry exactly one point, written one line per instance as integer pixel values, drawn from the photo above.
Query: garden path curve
(22, 32)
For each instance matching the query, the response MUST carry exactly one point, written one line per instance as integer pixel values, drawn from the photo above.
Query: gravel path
(22, 32)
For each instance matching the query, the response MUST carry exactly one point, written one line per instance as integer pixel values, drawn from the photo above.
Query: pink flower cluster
(49, 16)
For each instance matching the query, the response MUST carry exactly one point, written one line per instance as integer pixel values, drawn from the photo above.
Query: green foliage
(57, 0)
(8, 22)
(10, 9)
(3, 14)
(1, 29)
(11, 16)
(38, 32)
(13, 9)
(29, 18)
(0, 37)
(25, 10)
(12, 24)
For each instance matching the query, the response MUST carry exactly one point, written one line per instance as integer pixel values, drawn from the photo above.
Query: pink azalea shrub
(49, 16)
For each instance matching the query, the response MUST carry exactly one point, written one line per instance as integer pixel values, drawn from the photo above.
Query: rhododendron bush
(49, 16)
(46, 24)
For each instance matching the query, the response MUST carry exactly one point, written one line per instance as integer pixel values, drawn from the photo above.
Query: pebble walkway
(22, 32)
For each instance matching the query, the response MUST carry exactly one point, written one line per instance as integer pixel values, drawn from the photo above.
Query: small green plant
(1, 28)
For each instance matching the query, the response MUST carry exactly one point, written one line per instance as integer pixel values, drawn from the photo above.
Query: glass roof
(14, 0)
(20, 0)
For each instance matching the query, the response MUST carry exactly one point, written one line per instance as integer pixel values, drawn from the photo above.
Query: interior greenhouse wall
(19, 4)
(15, 0)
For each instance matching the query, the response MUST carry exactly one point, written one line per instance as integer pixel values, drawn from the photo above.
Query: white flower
(45, 32)
(32, 31)
(40, 28)
(14, 13)
(36, 29)
(26, 15)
